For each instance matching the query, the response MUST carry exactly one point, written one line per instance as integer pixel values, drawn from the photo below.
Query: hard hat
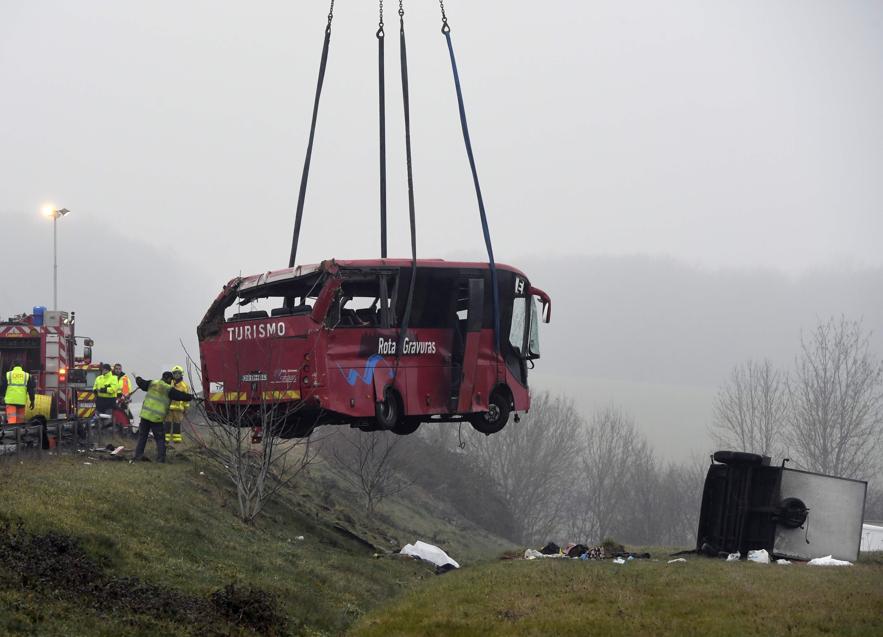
(178, 368)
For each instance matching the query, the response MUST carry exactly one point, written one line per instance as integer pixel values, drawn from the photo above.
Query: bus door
(464, 350)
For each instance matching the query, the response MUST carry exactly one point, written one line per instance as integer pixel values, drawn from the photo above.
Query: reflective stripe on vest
(156, 402)
(16, 386)
(180, 405)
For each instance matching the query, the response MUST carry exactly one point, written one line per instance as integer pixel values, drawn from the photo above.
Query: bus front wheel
(388, 411)
(495, 418)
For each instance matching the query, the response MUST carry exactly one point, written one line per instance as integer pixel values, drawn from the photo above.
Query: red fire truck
(324, 344)
(44, 344)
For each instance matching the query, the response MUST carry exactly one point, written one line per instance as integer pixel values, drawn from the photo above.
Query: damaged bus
(323, 344)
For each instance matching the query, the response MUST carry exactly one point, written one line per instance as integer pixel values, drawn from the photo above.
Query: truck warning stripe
(291, 394)
(230, 395)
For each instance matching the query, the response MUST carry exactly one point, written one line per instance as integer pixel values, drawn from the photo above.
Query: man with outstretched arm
(158, 398)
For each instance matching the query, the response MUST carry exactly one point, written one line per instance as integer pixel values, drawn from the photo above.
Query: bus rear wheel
(495, 418)
(388, 412)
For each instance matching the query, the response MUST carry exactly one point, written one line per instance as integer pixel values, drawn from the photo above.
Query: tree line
(558, 475)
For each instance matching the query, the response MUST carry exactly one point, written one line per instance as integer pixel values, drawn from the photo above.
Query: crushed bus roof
(331, 265)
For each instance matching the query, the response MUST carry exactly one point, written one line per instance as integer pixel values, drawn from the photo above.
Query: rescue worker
(16, 386)
(176, 410)
(123, 380)
(122, 417)
(107, 389)
(160, 394)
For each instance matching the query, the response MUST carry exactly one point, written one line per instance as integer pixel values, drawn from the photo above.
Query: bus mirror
(88, 342)
(87, 354)
(545, 300)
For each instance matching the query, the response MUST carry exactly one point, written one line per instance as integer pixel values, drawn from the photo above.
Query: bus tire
(406, 427)
(497, 415)
(388, 411)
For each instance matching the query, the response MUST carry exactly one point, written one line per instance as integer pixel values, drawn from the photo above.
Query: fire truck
(44, 343)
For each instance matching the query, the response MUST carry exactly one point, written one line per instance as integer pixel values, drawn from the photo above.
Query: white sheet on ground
(429, 553)
(734, 557)
(828, 561)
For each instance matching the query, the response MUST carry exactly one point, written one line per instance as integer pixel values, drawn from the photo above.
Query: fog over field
(694, 183)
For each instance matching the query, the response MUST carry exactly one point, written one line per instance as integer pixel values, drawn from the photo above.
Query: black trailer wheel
(406, 427)
(495, 418)
(388, 411)
(737, 457)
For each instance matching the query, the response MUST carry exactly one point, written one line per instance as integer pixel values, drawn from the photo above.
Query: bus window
(516, 332)
(362, 302)
(533, 343)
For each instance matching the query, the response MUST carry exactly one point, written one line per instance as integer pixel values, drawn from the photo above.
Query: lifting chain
(445, 26)
(401, 10)
(380, 23)
(330, 16)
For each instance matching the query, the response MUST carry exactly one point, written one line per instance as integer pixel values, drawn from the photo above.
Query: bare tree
(367, 461)
(836, 395)
(532, 463)
(751, 409)
(244, 444)
(612, 448)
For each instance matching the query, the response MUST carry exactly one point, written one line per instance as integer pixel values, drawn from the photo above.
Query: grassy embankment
(701, 597)
(174, 528)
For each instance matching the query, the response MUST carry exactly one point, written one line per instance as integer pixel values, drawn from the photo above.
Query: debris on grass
(828, 560)
(429, 553)
(760, 556)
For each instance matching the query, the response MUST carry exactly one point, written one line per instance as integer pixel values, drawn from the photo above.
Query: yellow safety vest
(106, 386)
(17, 386)
(180, 405)
(156, 402)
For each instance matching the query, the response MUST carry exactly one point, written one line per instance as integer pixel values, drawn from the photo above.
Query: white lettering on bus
(251, 332)
(388, 346)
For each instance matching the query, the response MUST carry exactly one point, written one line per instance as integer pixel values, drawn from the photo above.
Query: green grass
(175, 526)
(700, 597)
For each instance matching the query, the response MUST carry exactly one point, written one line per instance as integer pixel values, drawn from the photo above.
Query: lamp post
(55, 213)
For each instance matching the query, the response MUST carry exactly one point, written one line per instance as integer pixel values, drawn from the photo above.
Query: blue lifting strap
(484, 226)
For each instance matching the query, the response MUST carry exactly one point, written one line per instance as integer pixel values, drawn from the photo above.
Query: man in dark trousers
(159, 395)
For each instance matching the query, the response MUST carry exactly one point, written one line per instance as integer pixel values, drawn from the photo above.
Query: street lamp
(55, 213)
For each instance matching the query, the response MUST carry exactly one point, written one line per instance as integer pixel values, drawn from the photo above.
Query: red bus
(323, 344)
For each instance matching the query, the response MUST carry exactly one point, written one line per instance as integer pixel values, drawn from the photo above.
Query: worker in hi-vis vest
(106, 388)
(176, 410)
(122, 380)
(16, 387)
(160, 394)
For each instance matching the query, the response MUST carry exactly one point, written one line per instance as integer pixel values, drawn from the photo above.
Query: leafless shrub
(612, 449)
(836, 424)
(367, 461)
(245, 446)
(532, 464)
(751, 409)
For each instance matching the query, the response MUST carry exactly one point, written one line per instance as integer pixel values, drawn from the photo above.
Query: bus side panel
(351, 372)
(429, 373)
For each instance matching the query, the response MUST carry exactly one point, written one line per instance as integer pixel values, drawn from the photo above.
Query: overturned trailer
(747, 504)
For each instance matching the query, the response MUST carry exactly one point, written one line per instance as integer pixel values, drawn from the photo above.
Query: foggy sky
(726, 136)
